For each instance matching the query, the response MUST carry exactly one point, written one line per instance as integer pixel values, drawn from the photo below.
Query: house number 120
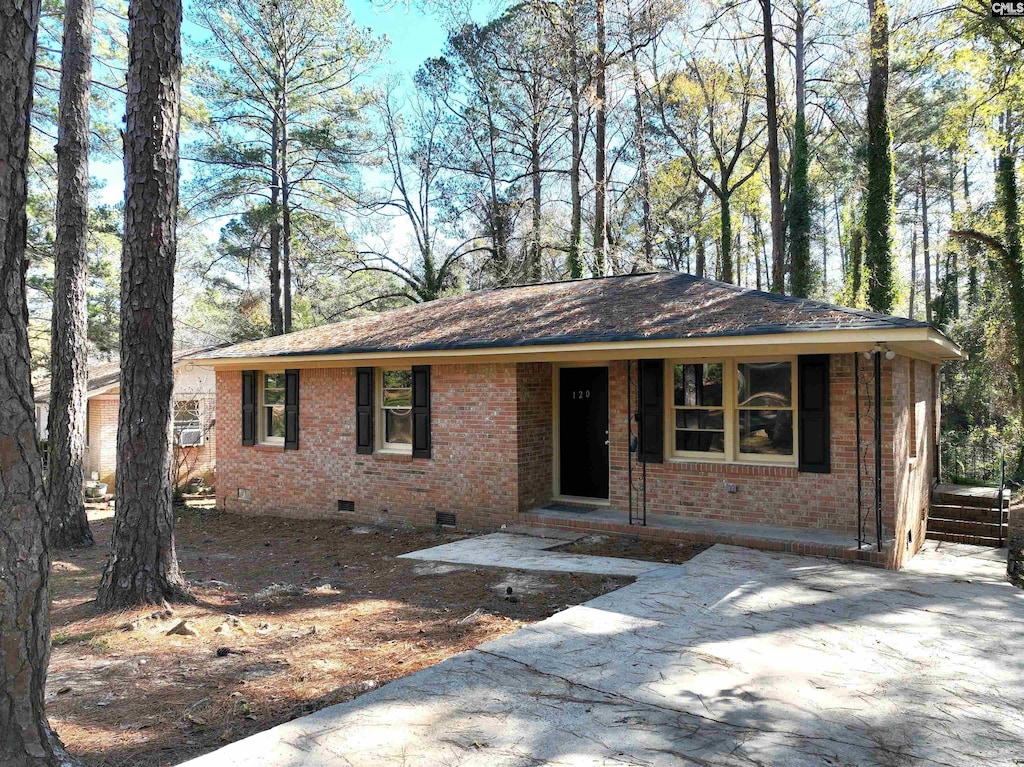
(581, 394)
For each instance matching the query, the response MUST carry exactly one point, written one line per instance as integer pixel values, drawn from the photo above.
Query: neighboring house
(484, 409)
(194, 418)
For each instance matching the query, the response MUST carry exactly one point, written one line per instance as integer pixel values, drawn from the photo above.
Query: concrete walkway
(529, 552)
(737, 657)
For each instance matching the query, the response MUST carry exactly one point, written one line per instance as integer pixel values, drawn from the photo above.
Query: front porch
(795, 540)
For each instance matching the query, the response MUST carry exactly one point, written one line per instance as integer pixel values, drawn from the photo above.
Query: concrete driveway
(737, 657)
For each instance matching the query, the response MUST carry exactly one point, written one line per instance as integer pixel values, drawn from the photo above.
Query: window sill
(391, 454)
(269, 447)
(742, 467)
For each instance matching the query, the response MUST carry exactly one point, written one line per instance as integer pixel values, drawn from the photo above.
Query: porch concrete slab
(961, 561)
(710, 527)
(737, 657)
(527, 552)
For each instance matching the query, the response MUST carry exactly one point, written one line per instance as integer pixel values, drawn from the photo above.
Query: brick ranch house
(660, 405)
(194, 418)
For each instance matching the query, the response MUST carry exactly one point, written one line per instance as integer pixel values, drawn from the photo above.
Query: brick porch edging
(872, 557)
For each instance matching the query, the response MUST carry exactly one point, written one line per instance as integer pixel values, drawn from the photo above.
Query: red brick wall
(772, 495)
(492, 457)
(101, 454)
(914, 474)
(534, 382)
(472, 470)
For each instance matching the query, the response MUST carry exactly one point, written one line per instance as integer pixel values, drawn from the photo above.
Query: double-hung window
(395, 409)
(732, 410)
(271, 422)
(699, 415)
(764, 392)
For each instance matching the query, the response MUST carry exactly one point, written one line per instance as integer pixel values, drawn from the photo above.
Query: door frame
(556, 470)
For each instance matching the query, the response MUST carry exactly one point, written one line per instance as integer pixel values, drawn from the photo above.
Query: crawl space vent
(346, 506)
(445, 518)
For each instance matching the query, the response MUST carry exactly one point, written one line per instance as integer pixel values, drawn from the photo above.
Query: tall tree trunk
(856, 265)
(576, 200)
(643, 169)
(878, 199)
(701, 252)
(953, 268)
(600, 140)
(276, 317)
(774, 168)
(143, 566)
(286, 214)
(25, 735)
(725, 257)
(69, 525)
(913, 259)
(533, 270)
(798, 204)
(925, 247)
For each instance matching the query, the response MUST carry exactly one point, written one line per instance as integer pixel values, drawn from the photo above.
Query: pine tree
(143, 566)
(69, 525)
(878, 195)
(25, 735)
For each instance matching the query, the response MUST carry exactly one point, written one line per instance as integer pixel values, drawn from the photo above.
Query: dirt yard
(291, 616)
(630, 548)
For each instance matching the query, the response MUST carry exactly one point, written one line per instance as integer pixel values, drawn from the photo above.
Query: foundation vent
(346, 507)
(445, 518)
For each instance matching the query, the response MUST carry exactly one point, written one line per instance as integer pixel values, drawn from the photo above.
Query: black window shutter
(249, 407)
(364, 410)
(291, 410)
(421, 411)
(814, 421)
(651, 411)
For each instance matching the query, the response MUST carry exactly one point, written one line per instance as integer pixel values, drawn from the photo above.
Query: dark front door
(583, 432)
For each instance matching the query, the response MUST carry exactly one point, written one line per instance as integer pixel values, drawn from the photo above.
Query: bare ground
(632, 548)
(311, 613)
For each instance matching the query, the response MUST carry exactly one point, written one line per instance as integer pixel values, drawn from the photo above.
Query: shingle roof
(656, 305)
(104, 374)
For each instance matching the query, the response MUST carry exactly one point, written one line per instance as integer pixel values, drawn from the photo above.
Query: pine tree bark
(774, 167)
(533, 268)
(701, 256)
(69, 525)
(600, 140)
(913, 261)
(25, 735)
(143, 566)
(276, 317)
(925, 243)
(640, 122)
(798, 204)
(878, 196)
(576, 161)
(286, 213)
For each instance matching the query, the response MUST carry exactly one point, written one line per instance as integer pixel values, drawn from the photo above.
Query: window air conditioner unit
(191, 437)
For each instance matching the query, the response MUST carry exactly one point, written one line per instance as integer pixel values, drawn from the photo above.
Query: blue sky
(414, 36)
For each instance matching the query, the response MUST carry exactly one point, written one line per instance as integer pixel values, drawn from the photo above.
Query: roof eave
(925, 342)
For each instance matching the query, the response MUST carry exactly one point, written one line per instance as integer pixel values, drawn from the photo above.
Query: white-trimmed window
(394, 409)
(188, 422)
(741, 411)
(271, 420)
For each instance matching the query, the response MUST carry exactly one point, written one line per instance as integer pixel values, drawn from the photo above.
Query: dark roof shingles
(657, 305)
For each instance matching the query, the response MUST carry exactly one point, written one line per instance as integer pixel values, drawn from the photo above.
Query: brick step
(974, 501)
(965, 527)
(974, 540)
(972, 514)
